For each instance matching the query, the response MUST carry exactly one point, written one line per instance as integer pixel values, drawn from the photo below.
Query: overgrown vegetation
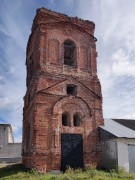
(18, 171)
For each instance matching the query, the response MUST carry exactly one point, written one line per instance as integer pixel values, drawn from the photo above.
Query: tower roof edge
(42, 12)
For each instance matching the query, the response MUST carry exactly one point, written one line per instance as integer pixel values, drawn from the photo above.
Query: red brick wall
(46, 97)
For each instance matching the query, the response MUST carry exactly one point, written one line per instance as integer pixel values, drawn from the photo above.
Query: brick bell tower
(63, 101)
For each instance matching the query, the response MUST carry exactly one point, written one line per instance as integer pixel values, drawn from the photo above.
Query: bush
(34, 171)
(120, 172)
(91, 171)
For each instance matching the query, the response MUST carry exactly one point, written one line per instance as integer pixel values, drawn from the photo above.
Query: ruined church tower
(63, 101)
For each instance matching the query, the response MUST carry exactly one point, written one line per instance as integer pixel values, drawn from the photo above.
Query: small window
(71, 90)
(69, 53)
(77, 120)
(65, 119)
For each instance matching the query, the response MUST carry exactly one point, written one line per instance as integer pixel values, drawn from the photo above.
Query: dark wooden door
(71, 151)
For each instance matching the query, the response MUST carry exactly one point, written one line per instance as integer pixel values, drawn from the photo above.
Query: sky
(115, 32)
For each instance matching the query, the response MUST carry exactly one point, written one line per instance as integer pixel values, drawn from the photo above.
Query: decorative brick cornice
(43, 14)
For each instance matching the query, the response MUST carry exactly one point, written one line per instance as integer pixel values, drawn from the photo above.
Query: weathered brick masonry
(63, 91)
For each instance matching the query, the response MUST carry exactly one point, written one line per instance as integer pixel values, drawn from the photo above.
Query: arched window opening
(69, 53)
(77, 120)
(65, 119)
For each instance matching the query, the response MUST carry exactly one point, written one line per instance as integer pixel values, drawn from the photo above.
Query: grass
(18, 171)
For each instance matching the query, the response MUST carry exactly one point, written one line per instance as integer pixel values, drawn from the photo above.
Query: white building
(118, 143)
(10, 152)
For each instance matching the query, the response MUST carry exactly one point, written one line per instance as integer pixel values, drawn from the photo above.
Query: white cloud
(12, 88)
(115, 46)
(1, 77)
(4, 102)
(69, 2)
(122, 65)
(15, 128)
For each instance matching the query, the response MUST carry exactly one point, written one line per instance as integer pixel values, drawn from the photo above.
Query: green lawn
(18, 171)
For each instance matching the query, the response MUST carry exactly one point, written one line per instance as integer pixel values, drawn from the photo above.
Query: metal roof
(117, 129)
(126, 122)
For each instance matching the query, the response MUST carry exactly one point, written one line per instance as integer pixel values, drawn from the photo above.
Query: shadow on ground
(11, 170)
